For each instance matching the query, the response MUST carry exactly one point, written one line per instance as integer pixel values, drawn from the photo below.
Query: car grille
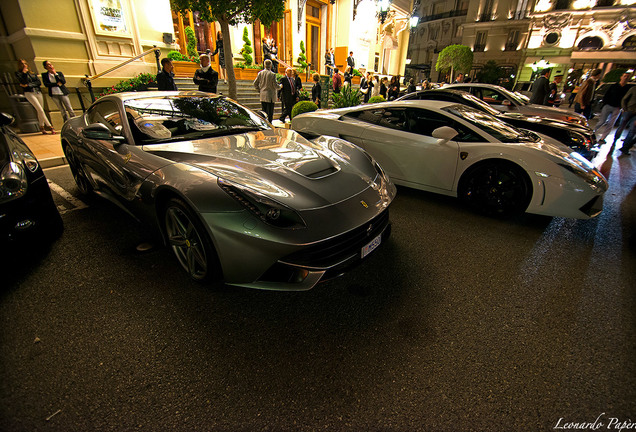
(341, 248)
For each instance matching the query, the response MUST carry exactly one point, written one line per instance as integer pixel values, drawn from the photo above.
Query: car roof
(156, 93)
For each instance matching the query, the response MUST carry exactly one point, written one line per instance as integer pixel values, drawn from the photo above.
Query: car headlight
(579, 140)
(582, 168)
(13, 182)
(267, 210)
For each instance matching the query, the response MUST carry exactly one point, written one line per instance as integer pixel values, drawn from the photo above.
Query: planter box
(246, 74)
(355, 80)
(184, 69)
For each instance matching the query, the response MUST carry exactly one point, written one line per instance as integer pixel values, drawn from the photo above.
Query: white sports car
(455, 150)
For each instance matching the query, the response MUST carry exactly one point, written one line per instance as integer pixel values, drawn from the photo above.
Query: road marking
(76, 203)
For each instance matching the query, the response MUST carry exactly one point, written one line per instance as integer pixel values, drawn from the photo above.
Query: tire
(496, 188)
(81, 180)
(190, 242)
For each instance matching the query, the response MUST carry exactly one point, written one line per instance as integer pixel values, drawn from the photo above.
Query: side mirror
(445, 133)
(506, 102)
(6, 119)
(261, 114)
(98, 131)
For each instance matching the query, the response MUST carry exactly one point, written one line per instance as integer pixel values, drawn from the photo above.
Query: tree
(247, 48)
(232, 12)
(491, 73)
(456, 58)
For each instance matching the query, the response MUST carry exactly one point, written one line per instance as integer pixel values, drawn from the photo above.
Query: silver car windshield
(175, 118)
(496, 128)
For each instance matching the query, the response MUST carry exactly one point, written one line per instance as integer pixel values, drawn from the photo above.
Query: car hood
(279, 163)
(543, 120)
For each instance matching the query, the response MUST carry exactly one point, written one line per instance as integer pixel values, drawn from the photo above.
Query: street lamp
(415, 20)
(383, 10)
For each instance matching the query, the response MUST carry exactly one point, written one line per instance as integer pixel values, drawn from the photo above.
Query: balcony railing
(450, 14)
(520, 14)
(511, 47)
(486, 17)
(479, 47)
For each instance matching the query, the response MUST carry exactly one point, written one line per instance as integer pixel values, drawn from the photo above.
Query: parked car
(579, 138)
(230, 195)
(457, 150)
(27, 211)
(506, 101)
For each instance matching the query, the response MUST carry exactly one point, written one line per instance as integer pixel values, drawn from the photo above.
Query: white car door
(402, 143)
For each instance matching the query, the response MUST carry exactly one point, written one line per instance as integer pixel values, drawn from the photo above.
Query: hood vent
(316, 168)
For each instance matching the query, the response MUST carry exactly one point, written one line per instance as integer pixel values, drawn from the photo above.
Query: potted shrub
(186, 65)
(303, 107)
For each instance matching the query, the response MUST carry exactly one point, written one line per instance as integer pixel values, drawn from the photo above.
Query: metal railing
(443, 15)
(88, 80)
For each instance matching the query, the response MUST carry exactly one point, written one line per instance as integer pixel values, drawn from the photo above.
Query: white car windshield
(174, 118)
(493, 126)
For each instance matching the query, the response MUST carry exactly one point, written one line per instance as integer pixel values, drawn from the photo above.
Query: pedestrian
(366, 86)
(411, 87)
(206, 77)
(266, 85)
(336, 81)
(583, 99)
(553, 98)
(541, 89)
(55, 82)
(394, 88)
(316, 90)
(383, 87)
(274, 53)
(30, 84)
(348, 76)
(297, 81)
(165, 78)
(330, 62)
(351, 62)
(459, 79)
(220, 50)
(628, 112)
(375, 91)
(611, 107)
(267, 49)
(575, 90)
(288, 94)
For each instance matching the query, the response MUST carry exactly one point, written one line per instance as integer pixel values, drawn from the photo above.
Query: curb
(53, 162)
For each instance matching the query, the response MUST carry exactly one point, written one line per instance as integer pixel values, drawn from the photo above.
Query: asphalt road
(457, 323)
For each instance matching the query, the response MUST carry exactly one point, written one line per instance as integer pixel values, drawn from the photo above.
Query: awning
(419, 66)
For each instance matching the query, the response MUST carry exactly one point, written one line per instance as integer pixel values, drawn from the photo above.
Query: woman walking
(30, 83)
(221, 51)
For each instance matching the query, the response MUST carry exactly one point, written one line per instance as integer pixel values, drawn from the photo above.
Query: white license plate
(366, 250)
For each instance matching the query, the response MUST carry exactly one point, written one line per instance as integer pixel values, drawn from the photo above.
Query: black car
(580, 138)
(27, 210)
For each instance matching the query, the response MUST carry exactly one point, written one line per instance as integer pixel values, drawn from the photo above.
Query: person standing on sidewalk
(30, 83)
(611, 107)
(267, 87)
(583, 99)
(206, 78)
(55, 82)
(541, 89)
(165, 78)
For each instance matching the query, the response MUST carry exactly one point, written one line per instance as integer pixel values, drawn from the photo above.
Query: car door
(115, 164)
(351, 126)
(403, 145)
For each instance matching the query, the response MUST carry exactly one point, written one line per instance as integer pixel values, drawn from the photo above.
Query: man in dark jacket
(289, 94)
(206, 77)
(351, 62)
(165, 78)
(56, 83)
(611, 107)
(541, 89)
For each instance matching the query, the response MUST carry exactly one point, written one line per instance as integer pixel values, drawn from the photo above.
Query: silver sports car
(233, 197)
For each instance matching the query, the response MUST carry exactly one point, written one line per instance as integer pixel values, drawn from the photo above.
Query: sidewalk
(46, 148)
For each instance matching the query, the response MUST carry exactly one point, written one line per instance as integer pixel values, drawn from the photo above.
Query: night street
(458, 323)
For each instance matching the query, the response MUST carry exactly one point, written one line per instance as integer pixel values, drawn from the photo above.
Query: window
(492, 97)
(107, 114)
(424, 122)
(480, 41)
(367, 116)
(512, 43)
(395, 119)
